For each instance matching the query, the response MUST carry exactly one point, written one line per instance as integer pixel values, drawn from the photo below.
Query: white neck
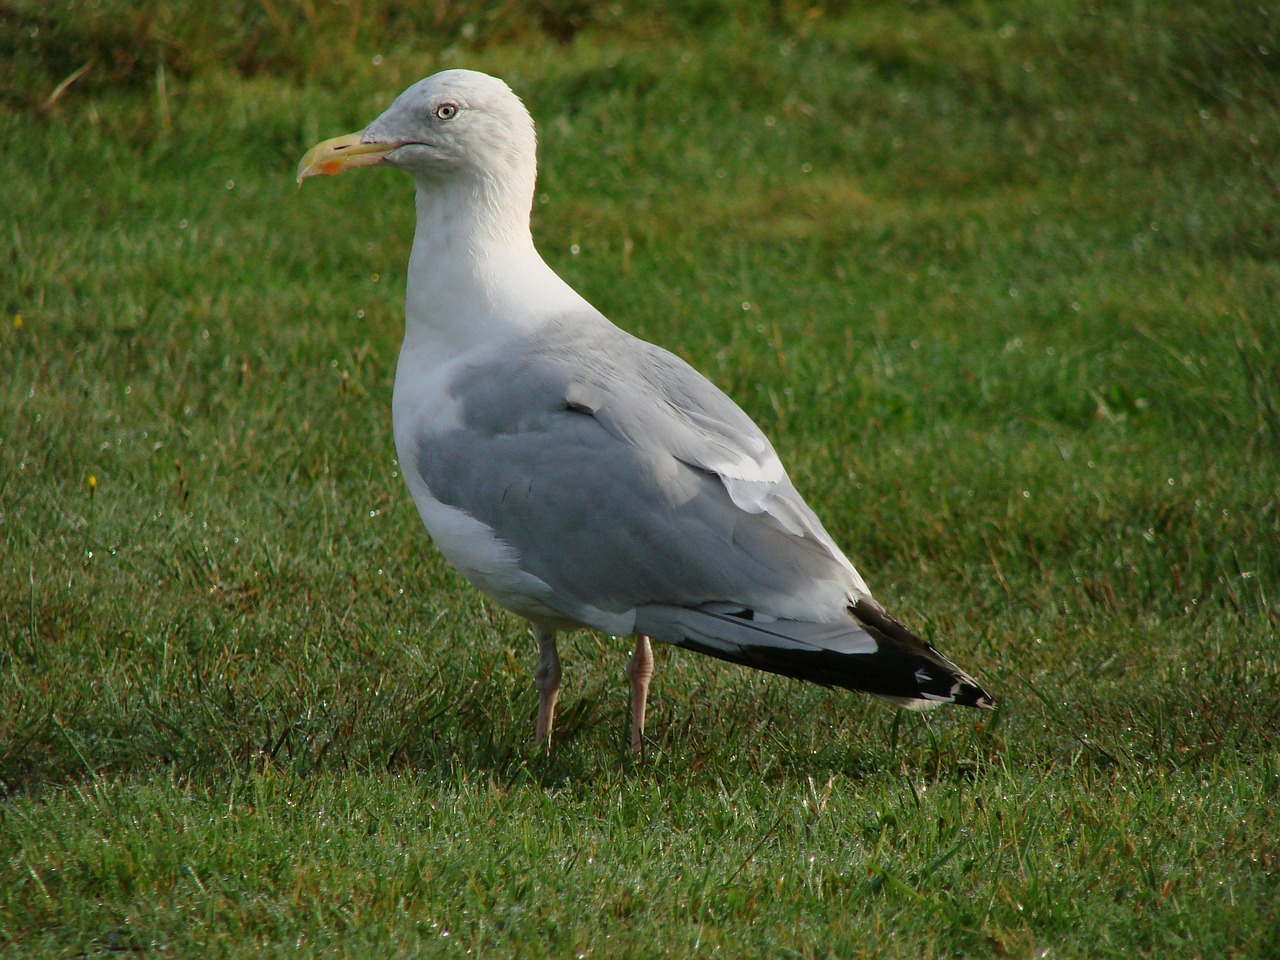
(475, 277)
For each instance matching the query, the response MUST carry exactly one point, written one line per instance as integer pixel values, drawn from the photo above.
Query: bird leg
(639, 671)
(547, 679)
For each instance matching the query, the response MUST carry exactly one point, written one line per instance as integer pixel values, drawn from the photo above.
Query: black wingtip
(953, 686)
(969, 694)
(872, 653)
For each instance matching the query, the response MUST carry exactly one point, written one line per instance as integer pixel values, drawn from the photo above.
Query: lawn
(1001, 281)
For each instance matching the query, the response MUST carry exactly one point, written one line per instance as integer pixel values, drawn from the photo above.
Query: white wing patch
(752, 479)
(760, 496)
(586, 396)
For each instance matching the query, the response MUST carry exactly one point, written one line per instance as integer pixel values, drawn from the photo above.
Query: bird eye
(447, 111)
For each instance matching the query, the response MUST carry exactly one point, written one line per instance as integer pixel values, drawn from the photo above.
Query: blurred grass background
(999, 279)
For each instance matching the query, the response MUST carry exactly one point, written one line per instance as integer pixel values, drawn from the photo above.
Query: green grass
(999, 279)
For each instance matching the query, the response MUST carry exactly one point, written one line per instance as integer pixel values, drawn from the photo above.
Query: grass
(1000, 281)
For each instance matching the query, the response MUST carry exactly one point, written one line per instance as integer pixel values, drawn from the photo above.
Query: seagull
(580, 476)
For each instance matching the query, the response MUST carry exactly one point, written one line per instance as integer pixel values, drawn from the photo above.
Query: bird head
(453, 123)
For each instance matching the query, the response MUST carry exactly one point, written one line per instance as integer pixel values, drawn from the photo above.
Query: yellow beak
(331, 157)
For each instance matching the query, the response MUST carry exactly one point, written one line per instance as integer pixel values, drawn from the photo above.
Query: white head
(458, 119)
(457, 126)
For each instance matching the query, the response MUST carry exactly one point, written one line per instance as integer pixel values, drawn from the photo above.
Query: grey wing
(622, 478)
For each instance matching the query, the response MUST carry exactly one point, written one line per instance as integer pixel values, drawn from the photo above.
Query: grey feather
(593, 455)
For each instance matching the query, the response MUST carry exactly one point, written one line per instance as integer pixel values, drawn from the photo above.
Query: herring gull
(582, 477)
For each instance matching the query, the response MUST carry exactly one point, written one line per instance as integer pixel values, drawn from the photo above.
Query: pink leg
(639, 671)
(547, 679)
